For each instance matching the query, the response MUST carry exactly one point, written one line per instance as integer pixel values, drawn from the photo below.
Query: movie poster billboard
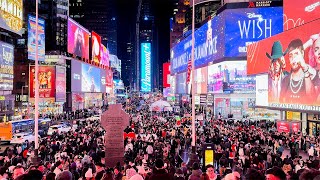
(96, 45)
(11, 16)
(46, 81)
(61, 84)
(90, 78)
(32, 38)
(246, 26)
(201, 80)
(6, 66)
(297, 12)
(109, 78)
(291, 59)
(78, 39)
(209, 46)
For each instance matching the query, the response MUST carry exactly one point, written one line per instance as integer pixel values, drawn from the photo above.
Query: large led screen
(146, 60)
(78, 39)
(76, 76)
(103, 75)
(109, 78)
(262, 90)
(11, 15)
(32, 38)
(292, 61)
(209, 46)
(96, 47)
(6, 66)
(46, 81)
(230, 77)
(181, 87)
(60, 84)
(90, 81)
(299, 12)
(246, 26)
(201, 80)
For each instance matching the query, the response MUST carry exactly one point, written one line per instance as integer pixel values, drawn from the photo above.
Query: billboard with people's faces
(297, 12)
(32, 38)
(96, 47)
(292, 60)
(78, 39)
(46, 81)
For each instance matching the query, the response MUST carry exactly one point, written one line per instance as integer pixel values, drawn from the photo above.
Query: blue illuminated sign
(209, 46)
(246, 26)
(145, 84)
(32, 38)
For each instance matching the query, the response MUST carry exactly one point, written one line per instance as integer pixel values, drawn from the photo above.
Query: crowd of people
(159, 151)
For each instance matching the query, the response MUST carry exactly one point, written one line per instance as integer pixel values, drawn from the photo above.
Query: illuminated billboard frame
(146, 61)
(32, 38)
(11, 16)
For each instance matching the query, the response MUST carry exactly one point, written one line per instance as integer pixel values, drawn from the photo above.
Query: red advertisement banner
(109, 78)
(298, 12)
(283, 127)
(46, 79)
(166, 75)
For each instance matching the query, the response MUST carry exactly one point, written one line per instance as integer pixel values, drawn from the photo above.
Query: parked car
(58, 129)
(94, 117)
(20, 138)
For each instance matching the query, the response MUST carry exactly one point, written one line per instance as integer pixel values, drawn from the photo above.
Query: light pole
(26, 86)
(193, 157)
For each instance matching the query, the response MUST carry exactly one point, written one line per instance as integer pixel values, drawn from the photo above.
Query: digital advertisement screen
(61, 84)
(291, 59)
(32, 38)
(297, 12)
(146, 61)
(246, 26)
(209, 46)
(90, 79)
(181, 87)
(109, 78)
(78, 39)
(46, 81)
(76, 76)
(262, 90)
(96, 45)
(103, 74)
(201, 80)
(230, 77)
(6, 66)
(104, 56)
(166, 75)
(11, 15)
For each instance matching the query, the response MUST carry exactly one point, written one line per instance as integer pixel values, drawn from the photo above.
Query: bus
(8, 129)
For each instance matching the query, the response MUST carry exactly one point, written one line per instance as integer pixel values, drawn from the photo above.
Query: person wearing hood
(159, 172)
(196, 172)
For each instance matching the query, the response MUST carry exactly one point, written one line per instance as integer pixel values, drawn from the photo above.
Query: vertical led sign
(145, 67)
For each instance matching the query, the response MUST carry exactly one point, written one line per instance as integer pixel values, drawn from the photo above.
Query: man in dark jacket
(196, 172)
(99, 170)
(159, 172)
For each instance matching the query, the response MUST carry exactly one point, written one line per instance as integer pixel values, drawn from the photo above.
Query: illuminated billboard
(96, 46)
(78, 39)
(166, 75)
(32, 38)
(6, 66)
(246, 26)
(297, 12)
(146, 58)
(11, 15)
(46, 81)
(230, 77)
(292, 61)
(90, 81)
(105, 56)
(201, 80)
(61, 84)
